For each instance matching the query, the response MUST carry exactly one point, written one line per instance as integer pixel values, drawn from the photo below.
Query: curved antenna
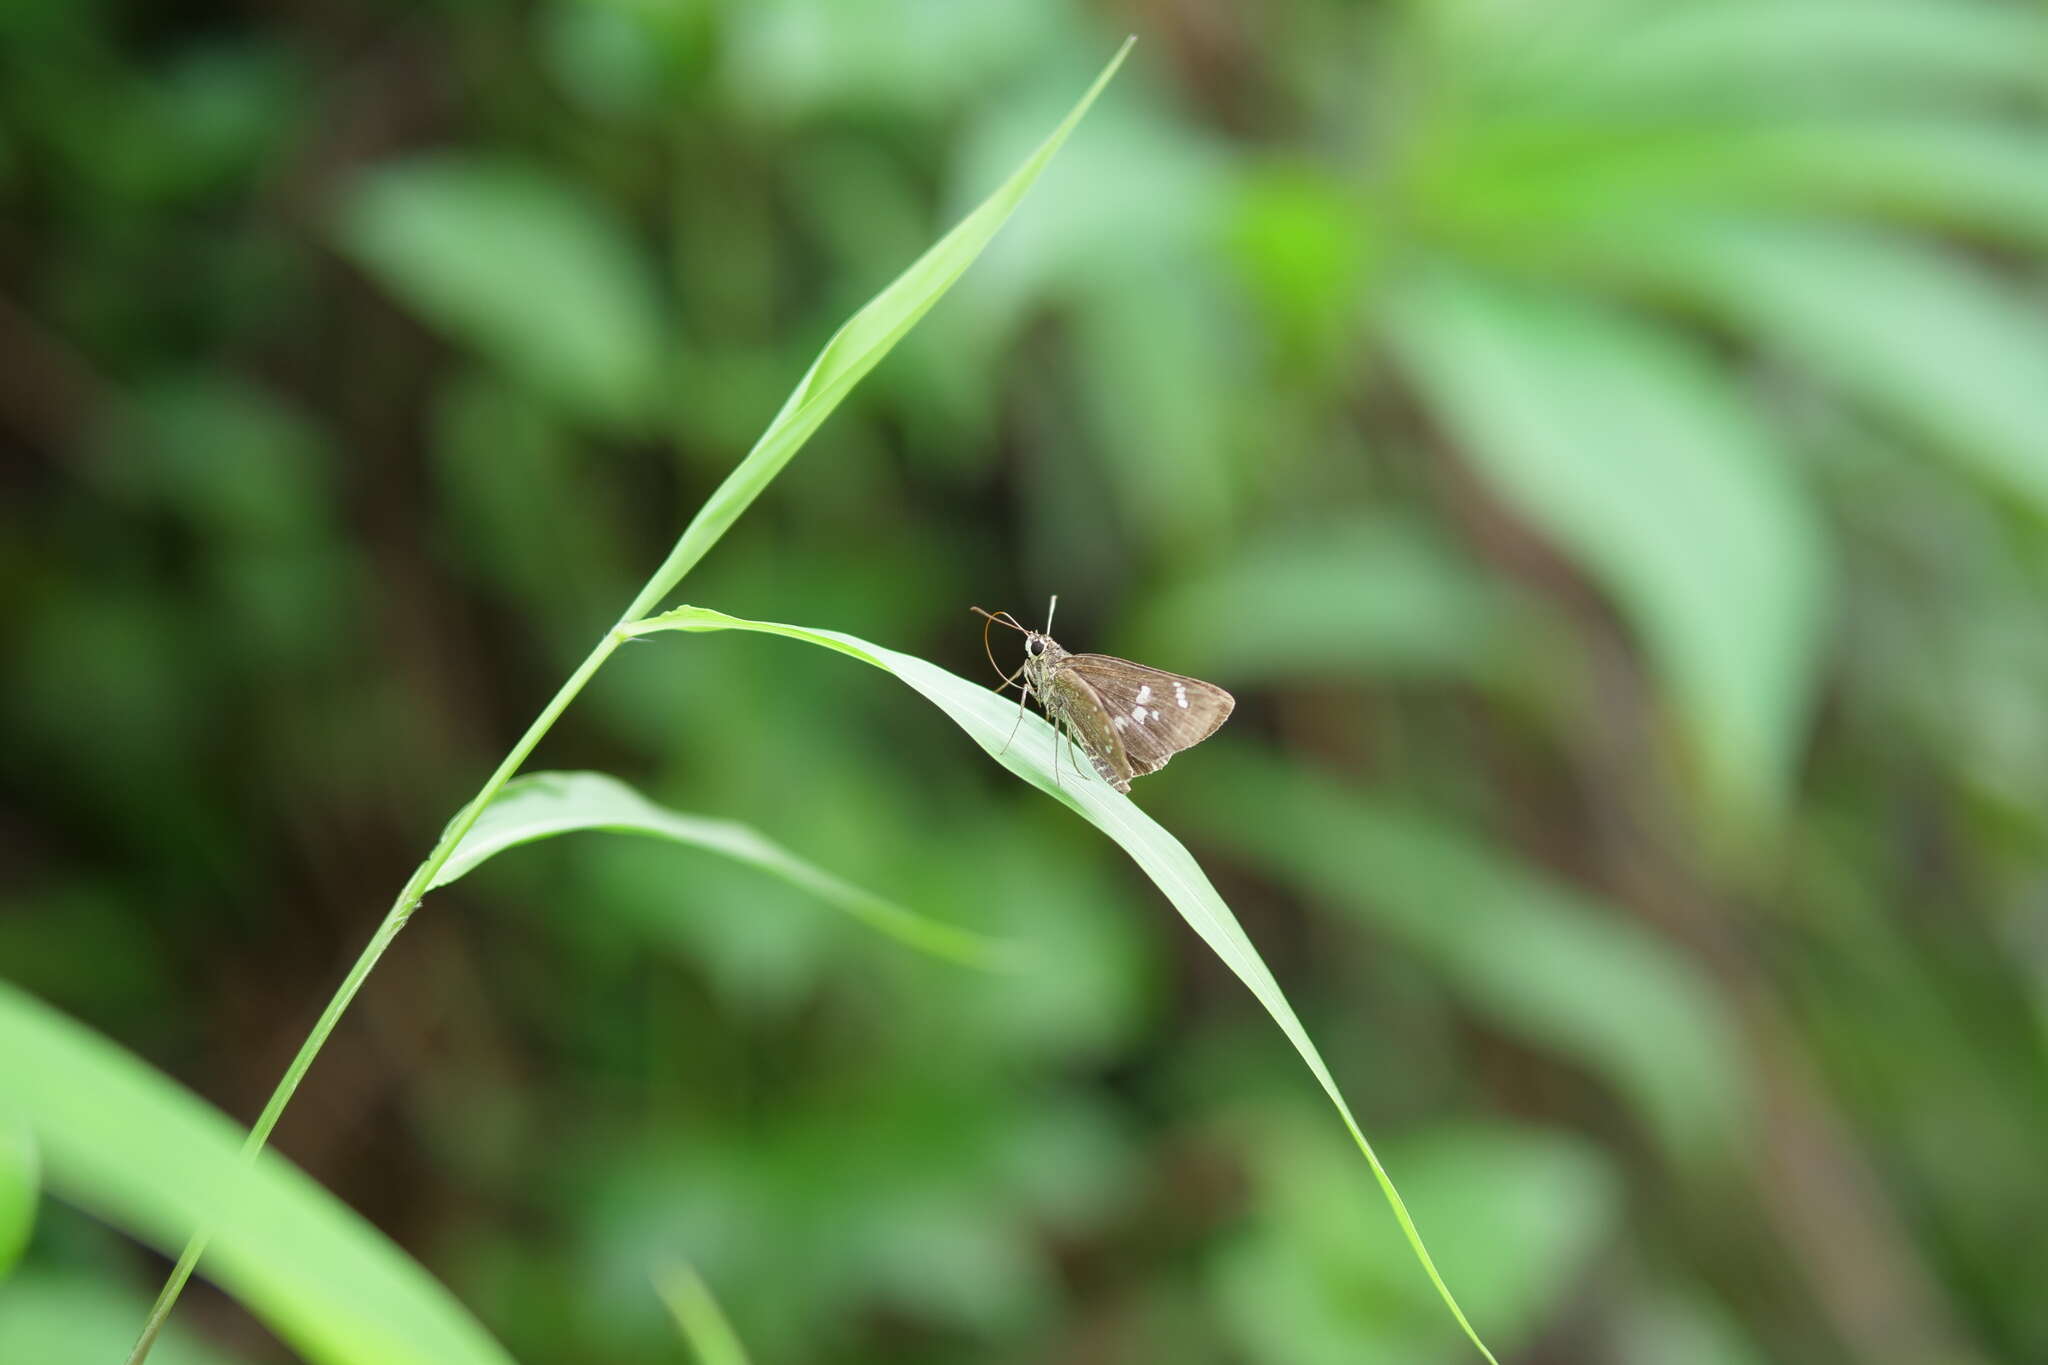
(1002, 618)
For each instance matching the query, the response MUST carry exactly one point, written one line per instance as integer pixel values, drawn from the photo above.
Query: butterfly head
(1040, 649)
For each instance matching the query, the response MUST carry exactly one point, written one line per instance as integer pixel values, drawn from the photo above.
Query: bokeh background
(1603, 444)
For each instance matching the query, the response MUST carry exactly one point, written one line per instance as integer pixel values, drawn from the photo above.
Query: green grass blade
(698, 1317)
(20, 1185)
(855, 349)
(989, 719)
(135, 1150)
(541, 805)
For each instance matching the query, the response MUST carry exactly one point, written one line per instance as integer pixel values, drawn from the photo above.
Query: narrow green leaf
(698, 1317)
(857, 347)
(20, 1187)
(541, 805)
(991, 721)
(129, 1146)
(1913, 331)
(1627, 447)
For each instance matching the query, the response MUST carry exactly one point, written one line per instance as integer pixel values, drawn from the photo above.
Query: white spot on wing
(1145, 692)
(1121, 723)
(1180, 695)
(1138, 714)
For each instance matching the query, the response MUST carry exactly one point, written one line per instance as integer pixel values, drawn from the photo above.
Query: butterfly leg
(1066, 740)
(1022, 697)
(1074, 752)
(1059, 742)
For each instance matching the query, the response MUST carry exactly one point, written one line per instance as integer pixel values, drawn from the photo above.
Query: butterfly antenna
(1001, 618)
(1006, 619)
(1050, 608)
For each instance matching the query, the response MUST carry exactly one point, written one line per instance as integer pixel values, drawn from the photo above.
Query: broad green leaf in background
(20, 1187)
(541, 805)
(1674, 1327)
(1945, 173)
(1597, 117)
(1622, 443)
(524, 266)
(1580, 192)
(132, 1148)
(1367, 596)
(822, 58)
(1917, 333)
(238, 463)
(60, 1318)
(1541, 960)
(992, 722)
(1737, 51)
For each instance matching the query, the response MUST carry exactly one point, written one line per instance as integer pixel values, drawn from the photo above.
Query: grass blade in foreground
(852, 352)
(134, 1149)
(540, 805)
(20, 1185)
(988, 719)
(698, 1317)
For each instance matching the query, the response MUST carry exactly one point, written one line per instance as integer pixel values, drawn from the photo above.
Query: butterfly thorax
(1042, 657)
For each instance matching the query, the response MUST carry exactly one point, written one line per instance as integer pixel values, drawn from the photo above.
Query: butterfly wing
(1078, 709)
(1155, 714)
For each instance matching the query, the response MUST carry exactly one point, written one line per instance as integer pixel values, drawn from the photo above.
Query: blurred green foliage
(1603, 444)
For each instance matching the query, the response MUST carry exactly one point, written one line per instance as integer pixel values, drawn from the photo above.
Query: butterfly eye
(1032, 645)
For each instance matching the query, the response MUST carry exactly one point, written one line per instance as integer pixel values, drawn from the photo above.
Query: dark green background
(1604, 446)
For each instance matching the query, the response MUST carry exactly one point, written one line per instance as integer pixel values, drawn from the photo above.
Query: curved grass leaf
(698, 1317)
(20, 1184)
(857, 347)
(991, 721)
(1626, 446)
(541, 805)
(132, 1148)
